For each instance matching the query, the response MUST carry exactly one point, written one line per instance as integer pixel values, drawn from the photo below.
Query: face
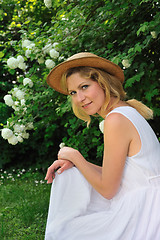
(86, 93)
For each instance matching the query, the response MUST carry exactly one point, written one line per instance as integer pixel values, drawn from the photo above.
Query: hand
(68, 153)
(61, 165)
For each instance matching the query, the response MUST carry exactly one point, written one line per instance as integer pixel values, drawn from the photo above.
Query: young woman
(121, 199)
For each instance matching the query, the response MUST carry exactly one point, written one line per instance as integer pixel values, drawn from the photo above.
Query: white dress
(78, 212)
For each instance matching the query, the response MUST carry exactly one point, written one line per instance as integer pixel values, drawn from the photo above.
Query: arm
(105, 179)
(117, 138)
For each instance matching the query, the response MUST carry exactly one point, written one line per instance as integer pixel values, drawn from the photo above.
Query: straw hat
(82, 59)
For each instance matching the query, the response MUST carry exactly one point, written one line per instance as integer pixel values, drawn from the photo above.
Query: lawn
(24, 199)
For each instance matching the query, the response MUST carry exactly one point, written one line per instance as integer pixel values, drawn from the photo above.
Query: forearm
(98, 168)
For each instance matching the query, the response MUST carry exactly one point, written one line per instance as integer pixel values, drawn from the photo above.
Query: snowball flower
(19, 128)
(41, 60)
(22, 65)
(14, 91)
(20, 94)
(154, 34)
(126, 63)
(53, 53)
(15, 108)
(20, 139)
(48, 3)
(6, 133)
(32, 45)
(25, 135)
(47, 48)
(55, 45)
(61, 145)
(28, 53)
(49, 63)
(13, 140)
(23, 102)
(20, 59)
(101, 126)
(12, 63)
(8, 100)
(30, 126)
(26, 43)
(27, 81)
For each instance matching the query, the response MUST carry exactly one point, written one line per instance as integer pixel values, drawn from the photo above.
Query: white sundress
(78, 212)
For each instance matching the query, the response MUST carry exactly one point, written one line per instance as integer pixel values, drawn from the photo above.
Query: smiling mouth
(86, 105)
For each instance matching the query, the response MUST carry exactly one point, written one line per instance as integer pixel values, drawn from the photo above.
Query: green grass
(24, 200)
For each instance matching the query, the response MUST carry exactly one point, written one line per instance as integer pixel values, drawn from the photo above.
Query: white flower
(27, 81)
(29, 126)
(8, 100)
(26, 43)
(20, 59)
(14, 91)
(12, 63)
(101, 126)
(47, 48)
(49, 63)
(19, 128)
(61, 145)
(16, 103)
(13, 140)
(154, 34)
(20, 94)
(15, 108)
(22, 65)
(48, 3)
(41, 60)
(126, 63)
(61, 58)
(20, 139)
(23, 102)
(28, 53)
(32, 45)
(6, 133)
(55, 45)
(25, 135)
(53, 53)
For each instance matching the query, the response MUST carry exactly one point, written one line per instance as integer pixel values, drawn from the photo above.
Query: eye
(72, 93)
(85, 86)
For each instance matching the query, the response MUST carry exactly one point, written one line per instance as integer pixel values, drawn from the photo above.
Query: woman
(120, 200)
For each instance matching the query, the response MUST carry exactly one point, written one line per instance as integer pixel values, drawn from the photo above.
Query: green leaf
(1, 54)
(137, 48)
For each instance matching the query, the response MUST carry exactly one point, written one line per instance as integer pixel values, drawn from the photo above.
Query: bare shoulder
(116, 120)
(117, 126)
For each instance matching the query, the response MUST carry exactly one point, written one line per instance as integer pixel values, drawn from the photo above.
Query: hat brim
(54, 77)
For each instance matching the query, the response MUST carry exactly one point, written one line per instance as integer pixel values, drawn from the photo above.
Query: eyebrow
(79, 86)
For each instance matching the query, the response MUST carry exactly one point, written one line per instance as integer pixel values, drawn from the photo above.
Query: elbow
(108, 194)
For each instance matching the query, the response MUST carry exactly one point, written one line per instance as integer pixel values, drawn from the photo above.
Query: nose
(80, 96)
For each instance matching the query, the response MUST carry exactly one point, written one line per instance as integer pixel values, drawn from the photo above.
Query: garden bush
(35, 35)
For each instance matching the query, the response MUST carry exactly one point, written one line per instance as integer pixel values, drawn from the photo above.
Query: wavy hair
(112, 88)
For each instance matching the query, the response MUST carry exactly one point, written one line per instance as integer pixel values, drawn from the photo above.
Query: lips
(86, 105)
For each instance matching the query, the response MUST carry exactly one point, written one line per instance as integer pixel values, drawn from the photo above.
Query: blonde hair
(112, 88)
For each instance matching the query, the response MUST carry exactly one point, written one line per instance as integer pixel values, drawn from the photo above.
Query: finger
(64, 167)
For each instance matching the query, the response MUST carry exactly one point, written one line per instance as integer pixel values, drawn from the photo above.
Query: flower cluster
(154, 34)
(40, 54)
(48, 3)
(18, 62)
(18, 132)
(17, 126)
(126, 63)
(15, 132)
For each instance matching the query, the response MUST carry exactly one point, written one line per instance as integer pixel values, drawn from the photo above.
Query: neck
(112, 105)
